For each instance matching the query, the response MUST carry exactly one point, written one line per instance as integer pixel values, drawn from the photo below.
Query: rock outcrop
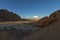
(42, 21)
(5, 15)
(56, 14)
(48, 20)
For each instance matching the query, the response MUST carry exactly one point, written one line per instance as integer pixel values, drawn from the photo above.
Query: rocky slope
(48, 32)
(5, 15)
(49, 19)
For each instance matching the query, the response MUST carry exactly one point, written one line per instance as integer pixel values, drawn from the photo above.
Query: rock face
(48, 20)
(5, 15)
(49, 32)
(56, 15)
(42, 21)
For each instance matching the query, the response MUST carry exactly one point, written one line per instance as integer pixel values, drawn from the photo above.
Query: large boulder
(5, 15)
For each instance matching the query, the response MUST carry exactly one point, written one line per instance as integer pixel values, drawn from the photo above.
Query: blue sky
(30, 8)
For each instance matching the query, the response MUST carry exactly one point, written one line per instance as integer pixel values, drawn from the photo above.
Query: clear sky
(30, 8)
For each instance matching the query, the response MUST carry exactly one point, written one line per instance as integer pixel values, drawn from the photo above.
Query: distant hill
(51, 31)
(6, 15)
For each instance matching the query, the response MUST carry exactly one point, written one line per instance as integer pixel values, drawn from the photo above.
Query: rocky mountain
(6, 15)
(51, 31)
